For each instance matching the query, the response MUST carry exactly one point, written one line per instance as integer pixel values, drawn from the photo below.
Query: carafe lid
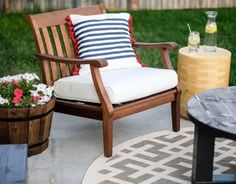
(211, 13)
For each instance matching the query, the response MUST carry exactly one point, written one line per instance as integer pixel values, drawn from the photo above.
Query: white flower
(48, 91)
(34, 93)
(43, 100)
(44, 92)
(35, 76)
(41, 87)
(3, 101)
(26, 76)
(30, 76)
(6, 79)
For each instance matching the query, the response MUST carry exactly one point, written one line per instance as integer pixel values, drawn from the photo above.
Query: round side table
(201, 71)
(213, 114)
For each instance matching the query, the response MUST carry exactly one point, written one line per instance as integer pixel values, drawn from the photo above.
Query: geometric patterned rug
(163, 157)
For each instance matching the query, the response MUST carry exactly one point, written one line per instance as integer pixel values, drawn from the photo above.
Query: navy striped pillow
(106, 36)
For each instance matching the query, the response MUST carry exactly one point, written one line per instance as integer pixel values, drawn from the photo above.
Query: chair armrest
(94, 62)
(165, 45)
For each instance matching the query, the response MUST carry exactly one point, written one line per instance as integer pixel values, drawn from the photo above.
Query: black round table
(214, 114)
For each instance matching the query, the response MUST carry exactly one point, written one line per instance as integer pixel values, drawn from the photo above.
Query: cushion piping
(130, 22)
(75, 42)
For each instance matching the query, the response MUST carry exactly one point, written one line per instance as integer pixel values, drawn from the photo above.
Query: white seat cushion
(122, 85)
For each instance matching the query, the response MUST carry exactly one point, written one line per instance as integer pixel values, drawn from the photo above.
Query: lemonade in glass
(193, 41)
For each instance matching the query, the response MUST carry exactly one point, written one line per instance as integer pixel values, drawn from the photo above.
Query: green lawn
(17, 48)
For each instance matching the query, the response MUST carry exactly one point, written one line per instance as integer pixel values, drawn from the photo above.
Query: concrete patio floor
(76, 142)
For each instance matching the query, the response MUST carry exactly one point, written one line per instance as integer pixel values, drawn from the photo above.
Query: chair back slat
(51, 37)
(59, 50)
(49, 48)
(45, 70)
(67, 45)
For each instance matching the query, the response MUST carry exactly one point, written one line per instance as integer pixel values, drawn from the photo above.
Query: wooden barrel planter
(27, 126)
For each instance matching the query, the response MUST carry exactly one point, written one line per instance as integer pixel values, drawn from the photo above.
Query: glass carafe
(210, 40)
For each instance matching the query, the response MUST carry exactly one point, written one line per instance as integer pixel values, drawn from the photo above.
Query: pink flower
(16, 100)
(18, 93)
(15, 82)
(36, 98)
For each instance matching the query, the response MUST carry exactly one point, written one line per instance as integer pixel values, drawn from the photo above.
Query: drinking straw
(189, 27)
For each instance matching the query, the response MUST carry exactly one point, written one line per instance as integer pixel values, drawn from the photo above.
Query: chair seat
(122, 85)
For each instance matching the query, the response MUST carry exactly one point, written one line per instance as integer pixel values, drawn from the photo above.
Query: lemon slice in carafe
(211, 28)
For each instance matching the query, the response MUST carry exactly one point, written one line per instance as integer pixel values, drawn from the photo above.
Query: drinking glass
(193, 41)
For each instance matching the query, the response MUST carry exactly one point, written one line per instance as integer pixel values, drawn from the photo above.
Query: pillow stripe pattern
(106, 36)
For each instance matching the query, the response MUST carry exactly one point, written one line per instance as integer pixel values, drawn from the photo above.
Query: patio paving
(76, 142)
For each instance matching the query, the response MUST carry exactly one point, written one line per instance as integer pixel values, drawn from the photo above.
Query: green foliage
(17, 49)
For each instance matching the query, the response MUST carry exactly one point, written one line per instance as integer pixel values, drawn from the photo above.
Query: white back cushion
(106, 36)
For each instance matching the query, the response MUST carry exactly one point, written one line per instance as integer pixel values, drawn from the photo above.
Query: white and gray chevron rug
(162, 157)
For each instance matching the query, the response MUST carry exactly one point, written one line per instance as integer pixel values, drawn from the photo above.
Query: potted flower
(26, 108)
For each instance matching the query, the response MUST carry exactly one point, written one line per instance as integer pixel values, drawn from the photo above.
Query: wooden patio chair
(57, 60)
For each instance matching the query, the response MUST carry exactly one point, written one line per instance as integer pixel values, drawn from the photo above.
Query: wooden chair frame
(55, 53)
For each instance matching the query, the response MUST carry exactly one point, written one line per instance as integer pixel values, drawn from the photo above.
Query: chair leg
(175, 111)
(107, 135)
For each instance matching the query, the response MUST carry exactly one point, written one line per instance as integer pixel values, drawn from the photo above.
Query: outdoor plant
(23, 90)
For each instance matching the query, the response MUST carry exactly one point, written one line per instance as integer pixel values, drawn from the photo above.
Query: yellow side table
(201, 71)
